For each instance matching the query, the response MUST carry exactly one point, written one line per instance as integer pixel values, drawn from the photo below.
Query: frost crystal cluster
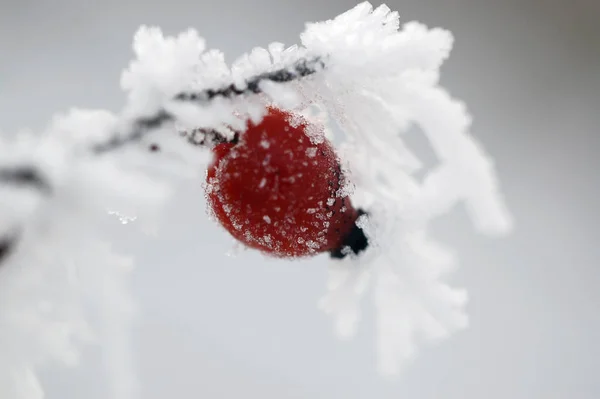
(362, 74)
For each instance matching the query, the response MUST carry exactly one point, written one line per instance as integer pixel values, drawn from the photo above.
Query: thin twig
(299, 69)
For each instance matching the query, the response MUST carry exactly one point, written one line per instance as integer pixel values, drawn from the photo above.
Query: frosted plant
(367, 77)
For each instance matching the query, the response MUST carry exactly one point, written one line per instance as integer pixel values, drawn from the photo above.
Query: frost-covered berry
(278, 189)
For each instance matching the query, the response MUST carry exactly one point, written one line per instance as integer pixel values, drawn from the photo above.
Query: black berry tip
(356, 241)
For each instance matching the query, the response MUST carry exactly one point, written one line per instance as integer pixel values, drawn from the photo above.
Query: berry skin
(276, 190)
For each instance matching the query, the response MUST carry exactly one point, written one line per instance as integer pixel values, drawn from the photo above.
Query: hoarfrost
(311, 152)
(383, 77)
(379, 79)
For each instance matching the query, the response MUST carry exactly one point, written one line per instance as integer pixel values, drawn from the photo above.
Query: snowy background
(220, 327)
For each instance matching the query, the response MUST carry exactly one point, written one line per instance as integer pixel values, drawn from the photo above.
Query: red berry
(276, 189)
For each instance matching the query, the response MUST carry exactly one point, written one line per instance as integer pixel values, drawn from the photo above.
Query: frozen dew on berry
(273, 192)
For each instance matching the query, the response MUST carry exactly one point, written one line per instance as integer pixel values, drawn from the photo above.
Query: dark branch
(208, 137)
(299, 69)
(26, 175)
(141, 127)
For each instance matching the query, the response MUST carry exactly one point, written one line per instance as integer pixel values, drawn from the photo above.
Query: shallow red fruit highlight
(276, 190)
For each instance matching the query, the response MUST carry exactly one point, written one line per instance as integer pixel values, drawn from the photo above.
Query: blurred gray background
(215, 326)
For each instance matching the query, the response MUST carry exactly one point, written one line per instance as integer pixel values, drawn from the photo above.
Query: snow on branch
(26, 175)
(361, 73)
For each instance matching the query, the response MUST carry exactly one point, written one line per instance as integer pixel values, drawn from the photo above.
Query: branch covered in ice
(367, 77)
